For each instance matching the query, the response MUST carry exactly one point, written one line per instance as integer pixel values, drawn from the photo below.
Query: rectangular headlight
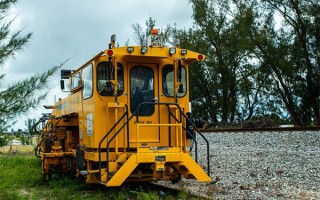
(184, 52)
(130, 49)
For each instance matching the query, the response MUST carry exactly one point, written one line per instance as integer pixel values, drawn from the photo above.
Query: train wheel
(176, 179)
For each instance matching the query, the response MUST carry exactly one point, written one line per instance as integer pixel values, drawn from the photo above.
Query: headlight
(172, 51)
(144, 49)
(130, 49)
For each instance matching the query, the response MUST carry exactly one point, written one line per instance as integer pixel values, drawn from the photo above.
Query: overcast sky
(65, 28)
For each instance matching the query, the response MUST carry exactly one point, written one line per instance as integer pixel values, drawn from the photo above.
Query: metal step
(84, 172)
(103, 183)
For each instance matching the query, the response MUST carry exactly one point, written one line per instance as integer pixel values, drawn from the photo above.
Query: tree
(258, 67)
(4, 140)
(227, 74)
(20, 97)
(290, 54)
(140, 35)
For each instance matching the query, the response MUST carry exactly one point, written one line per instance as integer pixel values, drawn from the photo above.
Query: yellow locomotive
(126, 118)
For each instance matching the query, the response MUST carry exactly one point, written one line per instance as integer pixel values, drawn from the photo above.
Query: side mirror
(62, 84)
(65, 73)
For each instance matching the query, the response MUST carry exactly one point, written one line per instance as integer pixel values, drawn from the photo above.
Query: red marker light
(110, 52)
(200, 57)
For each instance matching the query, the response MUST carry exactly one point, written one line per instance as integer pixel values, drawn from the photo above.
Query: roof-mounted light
(109, 52)
(144, 49)
(154, 31)
(200, 57)
(184, 52)
(155, 39)
(172, 50)
(130, 49)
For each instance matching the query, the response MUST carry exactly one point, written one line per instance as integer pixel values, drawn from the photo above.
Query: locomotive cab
(125, 118)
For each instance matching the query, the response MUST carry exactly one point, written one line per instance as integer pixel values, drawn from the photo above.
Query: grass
(21, 178)
(17, 148)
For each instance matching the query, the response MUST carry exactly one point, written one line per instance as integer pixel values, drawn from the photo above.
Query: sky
(79, 30)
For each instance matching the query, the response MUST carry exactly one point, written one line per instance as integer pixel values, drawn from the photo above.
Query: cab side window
(87, 82)
(168, 81)
(105, 73)
(75, 81)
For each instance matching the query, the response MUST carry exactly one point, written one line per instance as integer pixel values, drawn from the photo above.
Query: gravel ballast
(260, 165)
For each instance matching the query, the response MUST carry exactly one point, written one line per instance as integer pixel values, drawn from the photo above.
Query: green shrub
(4, 140)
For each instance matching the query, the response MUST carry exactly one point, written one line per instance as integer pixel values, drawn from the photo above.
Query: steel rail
(273, 129)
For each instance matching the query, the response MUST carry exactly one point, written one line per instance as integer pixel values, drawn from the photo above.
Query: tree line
(262, 59)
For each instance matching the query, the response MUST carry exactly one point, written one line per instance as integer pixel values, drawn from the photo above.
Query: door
(143, 87)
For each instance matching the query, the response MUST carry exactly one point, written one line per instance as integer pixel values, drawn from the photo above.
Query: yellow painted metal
(94, 156)
(116, 105)
(145, 158)
(123, 172)
(113, 167)
(160, 52)
(117, 137)
(178, 133)
(113, 110)
(150, 157)
(160, 166)
(122, 157)
(192, 168)
(160, 150)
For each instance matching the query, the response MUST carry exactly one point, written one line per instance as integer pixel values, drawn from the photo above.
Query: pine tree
(17, 98)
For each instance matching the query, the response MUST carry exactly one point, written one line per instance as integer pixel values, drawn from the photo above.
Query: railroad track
(278, 129)
(174, 191)
(162, 190)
